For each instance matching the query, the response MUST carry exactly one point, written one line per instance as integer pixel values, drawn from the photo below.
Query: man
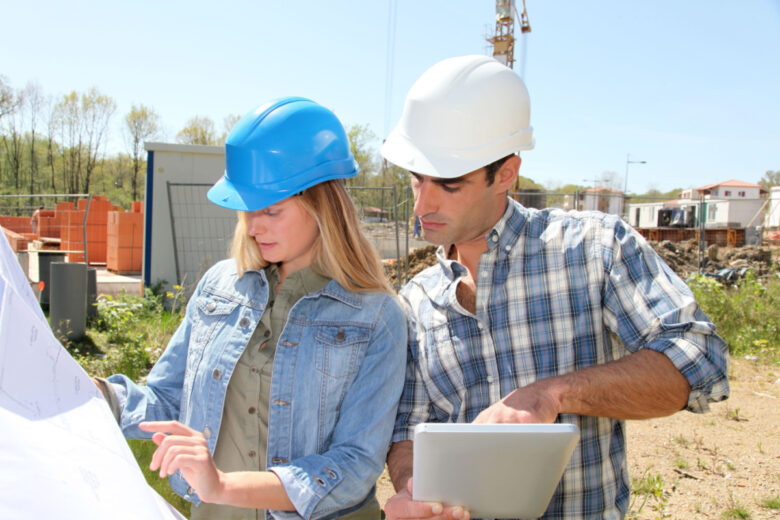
(532, 316)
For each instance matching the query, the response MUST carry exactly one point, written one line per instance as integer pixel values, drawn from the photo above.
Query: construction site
(80, 248)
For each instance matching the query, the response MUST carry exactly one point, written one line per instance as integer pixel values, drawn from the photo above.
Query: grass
(746, 314)
(143, 451)
(771, 502)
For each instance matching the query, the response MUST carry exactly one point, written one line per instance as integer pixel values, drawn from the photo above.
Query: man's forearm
(399, 463)
(642, 385)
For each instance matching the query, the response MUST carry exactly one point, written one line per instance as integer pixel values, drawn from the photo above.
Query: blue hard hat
(280, 149)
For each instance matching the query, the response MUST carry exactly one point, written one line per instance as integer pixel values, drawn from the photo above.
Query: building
(728, 204)
(603, 199)
(772, 219)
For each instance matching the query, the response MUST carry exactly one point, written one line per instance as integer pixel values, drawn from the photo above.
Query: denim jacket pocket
(213, 312)
(338, 348)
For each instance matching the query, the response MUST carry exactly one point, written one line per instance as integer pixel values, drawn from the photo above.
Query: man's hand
(534, 403)
(401, 506)
(180, 448)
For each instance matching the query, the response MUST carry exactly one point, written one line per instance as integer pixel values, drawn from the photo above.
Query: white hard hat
(460, 115)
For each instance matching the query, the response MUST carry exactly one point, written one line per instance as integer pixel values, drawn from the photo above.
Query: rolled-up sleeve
(648, 306)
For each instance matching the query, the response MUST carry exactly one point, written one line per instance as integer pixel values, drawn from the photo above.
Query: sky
(690, 87)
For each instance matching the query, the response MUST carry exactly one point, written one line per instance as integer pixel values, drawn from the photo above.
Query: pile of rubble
(682, 257)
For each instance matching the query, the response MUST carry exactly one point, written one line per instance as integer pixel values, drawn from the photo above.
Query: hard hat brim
(231, 195)
(399, 149)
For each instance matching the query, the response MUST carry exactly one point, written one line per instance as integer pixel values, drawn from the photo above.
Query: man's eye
(450, 189)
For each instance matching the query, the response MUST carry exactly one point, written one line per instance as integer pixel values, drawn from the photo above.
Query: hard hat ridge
(279, 149)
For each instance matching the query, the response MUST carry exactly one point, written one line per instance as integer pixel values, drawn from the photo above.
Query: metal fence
(202, 232)
(32, 218)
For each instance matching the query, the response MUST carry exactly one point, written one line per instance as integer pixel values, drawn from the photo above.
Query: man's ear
(507, 174)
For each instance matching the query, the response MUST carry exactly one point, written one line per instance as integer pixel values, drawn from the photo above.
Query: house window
(727, 193)
(712, 212)
(742, 194)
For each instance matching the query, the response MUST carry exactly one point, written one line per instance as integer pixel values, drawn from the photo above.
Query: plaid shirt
(555, 291)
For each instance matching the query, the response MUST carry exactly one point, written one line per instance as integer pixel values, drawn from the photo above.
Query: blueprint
(61, 452)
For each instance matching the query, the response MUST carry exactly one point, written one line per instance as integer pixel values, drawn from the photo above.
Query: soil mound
(682, 257)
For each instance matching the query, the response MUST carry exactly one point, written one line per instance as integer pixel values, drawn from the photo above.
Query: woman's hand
(180, 448)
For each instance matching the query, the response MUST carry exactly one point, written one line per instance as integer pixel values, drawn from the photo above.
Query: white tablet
(493, 470)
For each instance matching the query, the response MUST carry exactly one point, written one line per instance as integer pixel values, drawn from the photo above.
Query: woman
(279, 389)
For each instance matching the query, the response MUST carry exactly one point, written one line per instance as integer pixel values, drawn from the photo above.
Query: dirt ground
(705, 465)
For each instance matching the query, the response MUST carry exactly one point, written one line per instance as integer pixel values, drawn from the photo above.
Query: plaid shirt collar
(504, 235)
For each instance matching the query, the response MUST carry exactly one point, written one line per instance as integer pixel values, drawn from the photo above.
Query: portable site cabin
(772, 219)
(184, 233)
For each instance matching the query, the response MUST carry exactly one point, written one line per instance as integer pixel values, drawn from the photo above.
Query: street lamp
(629, 161)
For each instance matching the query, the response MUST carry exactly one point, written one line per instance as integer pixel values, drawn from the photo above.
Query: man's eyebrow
(443, 182)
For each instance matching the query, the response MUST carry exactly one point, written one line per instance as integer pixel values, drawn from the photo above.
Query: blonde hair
(342, 252)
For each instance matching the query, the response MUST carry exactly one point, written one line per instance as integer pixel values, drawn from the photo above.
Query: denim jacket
(337, 378)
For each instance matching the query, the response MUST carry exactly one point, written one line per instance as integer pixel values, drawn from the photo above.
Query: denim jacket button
(211, 306)
(216, 374)
(207, 432)
(190, 491)
(244, 323)
(341, 336)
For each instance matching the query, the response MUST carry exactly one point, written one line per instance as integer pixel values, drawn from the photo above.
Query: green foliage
(143, 451)
(770, 179)
(771, 502)
(198, 130)
(651, 489)
(747, 314)
(132, 332)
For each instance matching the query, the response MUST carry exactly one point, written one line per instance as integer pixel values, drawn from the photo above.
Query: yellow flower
(169, 294)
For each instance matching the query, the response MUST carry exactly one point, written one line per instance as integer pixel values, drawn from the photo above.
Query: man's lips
(431, 224)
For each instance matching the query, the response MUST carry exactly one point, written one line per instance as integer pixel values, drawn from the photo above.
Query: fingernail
(437, 509)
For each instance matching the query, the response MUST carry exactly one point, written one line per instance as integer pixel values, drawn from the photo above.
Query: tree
(198, 130)
(13, 134)
(770, 179)
(97, 111)
(7, 98)
(82, 122)
(32, 105)
(360, 137)
(142, 123)
(227, 125)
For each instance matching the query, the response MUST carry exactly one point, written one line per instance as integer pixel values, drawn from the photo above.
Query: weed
(702, 464)
(649, 487)
(771, 502)
(680, 463)
(733, 415)
(682, 441)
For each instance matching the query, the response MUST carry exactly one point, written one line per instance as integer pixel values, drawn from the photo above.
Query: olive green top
(243, 433)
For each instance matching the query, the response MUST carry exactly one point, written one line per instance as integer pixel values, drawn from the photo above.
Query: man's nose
(425, 199)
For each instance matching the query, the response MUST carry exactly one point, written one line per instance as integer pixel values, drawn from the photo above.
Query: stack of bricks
(125, 240)
(72, 230)
(18, 231)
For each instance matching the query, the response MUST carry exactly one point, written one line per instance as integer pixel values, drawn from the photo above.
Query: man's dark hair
(492, 168)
